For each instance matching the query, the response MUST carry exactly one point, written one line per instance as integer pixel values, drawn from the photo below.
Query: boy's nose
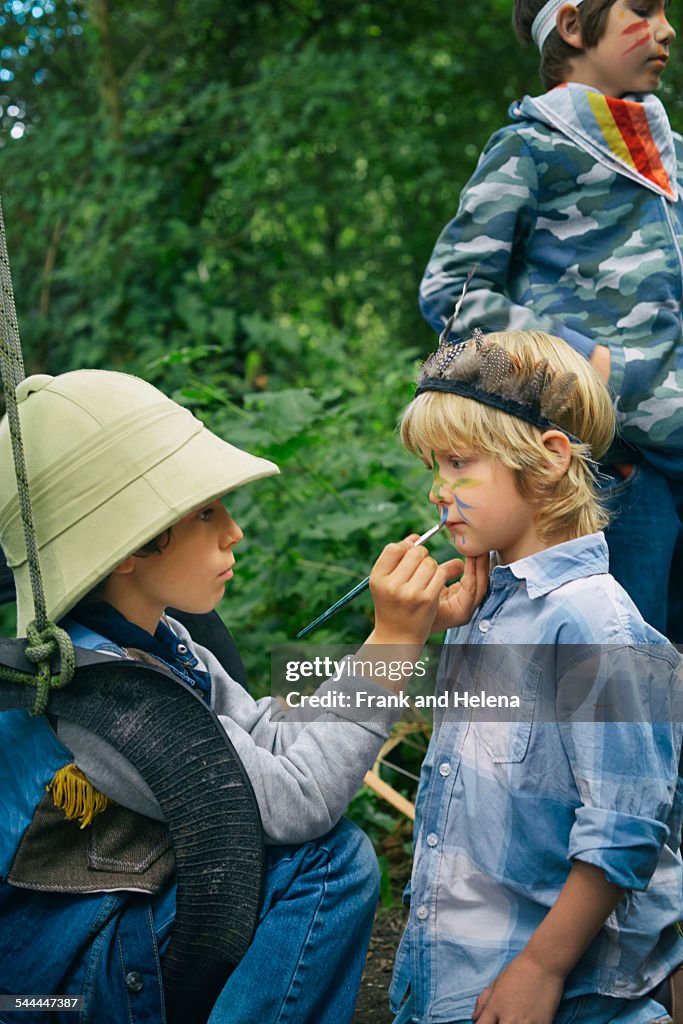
(231, 533)
(664, 30)
(439, 494)
(236, 534)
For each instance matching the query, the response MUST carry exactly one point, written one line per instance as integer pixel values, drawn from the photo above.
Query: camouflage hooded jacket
(574, 221)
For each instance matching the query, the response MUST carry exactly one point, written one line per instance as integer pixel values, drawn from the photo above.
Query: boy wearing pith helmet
(547, 880)
(126, 488)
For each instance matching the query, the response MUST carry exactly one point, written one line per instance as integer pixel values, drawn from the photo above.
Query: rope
(13, 372)
(44, 638)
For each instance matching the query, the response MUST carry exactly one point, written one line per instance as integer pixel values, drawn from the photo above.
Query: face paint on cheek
(452, 486)
(642, 40)
(460, 505)
(638, 26)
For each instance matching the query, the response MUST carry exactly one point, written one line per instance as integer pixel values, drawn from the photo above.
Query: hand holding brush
(475, 579)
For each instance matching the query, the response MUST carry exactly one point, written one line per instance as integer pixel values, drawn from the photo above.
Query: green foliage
(237, 202)
(189, 177)
(375, 816)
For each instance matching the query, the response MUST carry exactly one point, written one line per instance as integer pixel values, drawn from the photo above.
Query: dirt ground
(373, 1000)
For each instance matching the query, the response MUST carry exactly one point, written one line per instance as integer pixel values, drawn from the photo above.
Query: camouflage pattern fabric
(565, 243)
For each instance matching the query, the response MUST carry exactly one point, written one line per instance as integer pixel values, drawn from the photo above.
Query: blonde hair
(436, 421)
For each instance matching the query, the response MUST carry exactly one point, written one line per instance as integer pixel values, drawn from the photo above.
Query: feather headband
(485, 372)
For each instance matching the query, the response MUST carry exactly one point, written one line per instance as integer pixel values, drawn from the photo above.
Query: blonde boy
(547, 879)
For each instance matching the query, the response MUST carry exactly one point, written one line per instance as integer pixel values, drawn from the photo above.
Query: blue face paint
(452, 487)
(460, 505)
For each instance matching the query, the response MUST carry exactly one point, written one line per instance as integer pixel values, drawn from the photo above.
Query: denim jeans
(303, 966)
(590, 1009)
(646, 543)
(305, 963)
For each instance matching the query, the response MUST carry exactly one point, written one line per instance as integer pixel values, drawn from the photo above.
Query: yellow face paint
(439, 482)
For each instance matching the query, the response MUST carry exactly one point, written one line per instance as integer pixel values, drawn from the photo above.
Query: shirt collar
(547, 570)
(164, 645)
(105, 619)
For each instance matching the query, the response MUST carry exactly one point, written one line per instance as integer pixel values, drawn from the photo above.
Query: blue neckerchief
(164, 645)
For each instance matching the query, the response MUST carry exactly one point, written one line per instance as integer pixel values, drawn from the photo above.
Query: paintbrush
(364, 584)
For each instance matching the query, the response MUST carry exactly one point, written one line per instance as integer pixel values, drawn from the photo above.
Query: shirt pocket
(118, 850)
(503, 730)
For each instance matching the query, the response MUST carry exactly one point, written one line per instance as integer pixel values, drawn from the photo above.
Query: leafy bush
(237, 201)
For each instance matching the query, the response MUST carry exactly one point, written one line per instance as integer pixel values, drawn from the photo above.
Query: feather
(532, 389)
(466, 366)
(496, 367)
(558, 396)
(443, 337)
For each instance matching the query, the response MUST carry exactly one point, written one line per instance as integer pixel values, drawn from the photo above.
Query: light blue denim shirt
(586, 768)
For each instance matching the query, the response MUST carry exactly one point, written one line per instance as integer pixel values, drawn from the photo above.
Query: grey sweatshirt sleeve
(303, 772)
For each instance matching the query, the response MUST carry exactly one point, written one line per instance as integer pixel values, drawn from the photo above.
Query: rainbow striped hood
(631, 136)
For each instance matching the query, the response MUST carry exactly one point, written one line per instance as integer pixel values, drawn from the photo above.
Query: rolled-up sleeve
(623, 742)
(625, 846)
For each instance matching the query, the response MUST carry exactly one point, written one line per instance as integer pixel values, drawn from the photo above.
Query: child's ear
(569, 26)
(559, 444)
(125, 568)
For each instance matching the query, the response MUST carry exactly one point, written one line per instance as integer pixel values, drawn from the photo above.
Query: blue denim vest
(105, 946)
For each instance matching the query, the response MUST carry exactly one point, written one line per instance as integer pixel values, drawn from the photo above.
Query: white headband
(546, 20)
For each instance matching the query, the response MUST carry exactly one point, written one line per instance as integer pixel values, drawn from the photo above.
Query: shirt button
(422, 913)
(432, 840)
(484, 626)
(445, 769)
(134, 981)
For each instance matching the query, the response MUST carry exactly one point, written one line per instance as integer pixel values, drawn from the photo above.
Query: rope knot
(41, 646)
(44, 638)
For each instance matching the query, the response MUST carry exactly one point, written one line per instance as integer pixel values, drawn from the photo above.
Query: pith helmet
(111, 463)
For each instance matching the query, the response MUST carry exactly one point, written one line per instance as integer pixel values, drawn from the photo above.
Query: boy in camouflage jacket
(574, 220)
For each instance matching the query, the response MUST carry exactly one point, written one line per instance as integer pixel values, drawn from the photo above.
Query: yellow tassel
(76, 796)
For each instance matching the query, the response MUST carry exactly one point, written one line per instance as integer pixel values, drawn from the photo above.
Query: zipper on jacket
(677, 247)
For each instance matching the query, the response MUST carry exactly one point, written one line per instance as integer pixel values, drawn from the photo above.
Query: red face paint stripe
(639, 42)
(638, 27)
